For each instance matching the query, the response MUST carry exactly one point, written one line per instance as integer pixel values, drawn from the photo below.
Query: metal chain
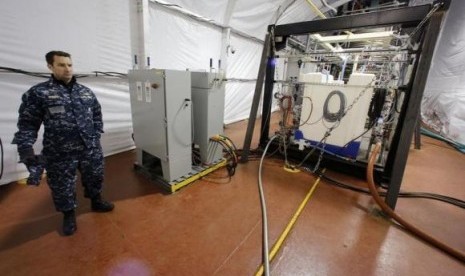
(322, 150)
(335, 125)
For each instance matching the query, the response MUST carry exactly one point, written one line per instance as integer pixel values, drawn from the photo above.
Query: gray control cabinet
(161, 115)
(208, 91)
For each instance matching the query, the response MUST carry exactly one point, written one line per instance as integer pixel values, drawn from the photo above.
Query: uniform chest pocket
(55, 107)
(55, 110)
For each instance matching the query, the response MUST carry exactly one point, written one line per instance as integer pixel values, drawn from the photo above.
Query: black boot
(100, 205)
(69, 223)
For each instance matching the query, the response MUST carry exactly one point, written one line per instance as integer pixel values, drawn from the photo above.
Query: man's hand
(34, 164)
(35, 174)
(27, 156)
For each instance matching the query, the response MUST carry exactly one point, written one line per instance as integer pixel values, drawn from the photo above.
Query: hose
(409, 227)
(456, 145)
(290, 225)
(265, 256)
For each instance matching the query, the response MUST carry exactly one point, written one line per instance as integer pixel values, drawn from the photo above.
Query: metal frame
(407, 17)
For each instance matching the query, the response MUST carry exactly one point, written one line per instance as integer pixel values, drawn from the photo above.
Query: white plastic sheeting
(443, 106)
(96, 33)
(253, 17)
(244, 65)
(180, 42)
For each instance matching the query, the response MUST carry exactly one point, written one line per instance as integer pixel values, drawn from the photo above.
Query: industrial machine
(208, 100)
(328, 100)
(175, 113)
(344, 84)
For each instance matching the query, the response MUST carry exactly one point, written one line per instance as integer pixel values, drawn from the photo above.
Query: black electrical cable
(376, 104)
(232, 164)
(363, 133)
(446, 199)
(334, 116)
(47, 75)
(110, 74)
(19, 71)
(232, 143)
(233, 161)
(196, 160)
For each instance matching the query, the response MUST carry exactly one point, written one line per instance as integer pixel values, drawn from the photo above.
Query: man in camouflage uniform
(73, 124)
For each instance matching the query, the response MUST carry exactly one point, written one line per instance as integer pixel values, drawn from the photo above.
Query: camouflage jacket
(71, 115)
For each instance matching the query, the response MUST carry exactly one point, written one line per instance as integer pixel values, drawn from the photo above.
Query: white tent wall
(242, 66)
(101, 36)
(253, 17)
(214, 10)
(177, 41)
(96, 33)
(443, 105)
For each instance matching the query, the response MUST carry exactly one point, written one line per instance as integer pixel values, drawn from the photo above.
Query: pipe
(265, 256)
(409, 227)
(328, 6)
(316, 9)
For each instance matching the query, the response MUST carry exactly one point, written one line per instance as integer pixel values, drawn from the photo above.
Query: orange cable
(409, 227)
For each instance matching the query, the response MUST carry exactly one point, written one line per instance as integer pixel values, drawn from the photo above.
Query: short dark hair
(49, 56)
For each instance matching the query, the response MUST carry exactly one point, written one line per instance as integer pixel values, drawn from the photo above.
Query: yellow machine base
(173, 186)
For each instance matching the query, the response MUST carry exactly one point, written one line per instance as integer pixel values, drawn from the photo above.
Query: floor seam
(237, 247)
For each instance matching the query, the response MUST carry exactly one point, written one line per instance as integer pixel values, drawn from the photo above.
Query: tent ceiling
(253, 17)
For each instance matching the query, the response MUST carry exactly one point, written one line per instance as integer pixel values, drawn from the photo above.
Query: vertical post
(413, 108)
(256, 100)
(417, 134)
(139, 21)
(268, 95)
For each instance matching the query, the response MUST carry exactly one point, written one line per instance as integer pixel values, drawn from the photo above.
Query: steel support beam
(408, 16)
(256, 100)
(267, 96)
(412, 110)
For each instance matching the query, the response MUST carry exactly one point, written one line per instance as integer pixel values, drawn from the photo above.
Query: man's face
(62, 68)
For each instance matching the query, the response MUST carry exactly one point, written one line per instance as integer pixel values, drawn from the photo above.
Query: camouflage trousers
(62, 176)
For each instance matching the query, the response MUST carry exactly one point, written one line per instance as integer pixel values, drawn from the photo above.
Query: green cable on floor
(456, 145)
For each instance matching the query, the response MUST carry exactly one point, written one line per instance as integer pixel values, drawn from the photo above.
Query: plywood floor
(213, 226)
